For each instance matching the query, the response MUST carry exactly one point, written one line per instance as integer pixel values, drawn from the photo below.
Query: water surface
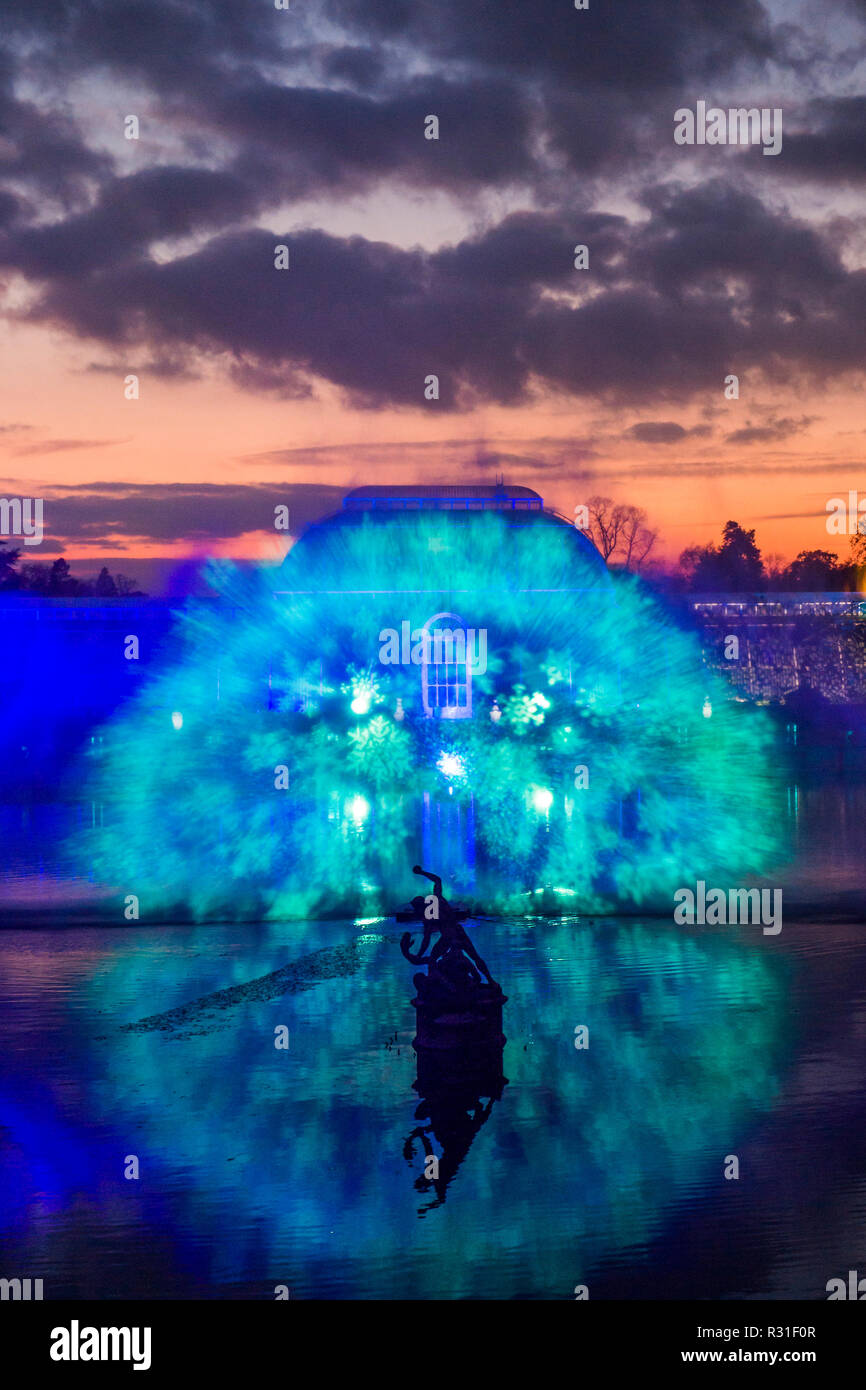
(304, 1167)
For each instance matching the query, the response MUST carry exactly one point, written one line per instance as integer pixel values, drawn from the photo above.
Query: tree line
(57, 580)
(621, 534)
(619, 531)
(737, 565)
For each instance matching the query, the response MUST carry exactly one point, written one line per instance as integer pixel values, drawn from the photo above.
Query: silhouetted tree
(816, 571)
(700, 568)
(774, 572)
(8, 560)
(734, 565)
(126, 587)
(620, 532)
(636, 539)
(740, 558)
(57, 580)
(604, 525)
(61, 584)
(105, 586)
(33, 579)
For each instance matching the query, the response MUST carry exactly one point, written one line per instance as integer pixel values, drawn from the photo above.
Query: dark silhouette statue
(453, 1120)
(455, 970)
(459, 1041)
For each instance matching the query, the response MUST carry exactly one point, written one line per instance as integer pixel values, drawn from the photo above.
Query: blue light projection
(290, 1167)
(276, 767)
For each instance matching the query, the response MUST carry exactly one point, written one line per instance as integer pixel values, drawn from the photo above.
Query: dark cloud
(529, 248)
(712, 282)
(773, 432)
(177, 41)
(323, 101)
(361, 66)
(658, 432)
(717, 237)
(833, 148)
(130, 215)
(164, 368)
(591, 130)
(10, 208)
(623, 44)
(172, 44)
(266, 378)
(90, 513)
(319, 139)
(511, 85)
(45, 149)
(62, 446)
(48, 547)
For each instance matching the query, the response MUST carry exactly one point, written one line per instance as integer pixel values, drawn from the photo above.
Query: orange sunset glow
(151, 250)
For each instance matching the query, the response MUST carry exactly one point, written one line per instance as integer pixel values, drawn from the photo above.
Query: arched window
(446, 676)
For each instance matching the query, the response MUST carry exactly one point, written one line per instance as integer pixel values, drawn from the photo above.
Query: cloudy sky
(305, 126)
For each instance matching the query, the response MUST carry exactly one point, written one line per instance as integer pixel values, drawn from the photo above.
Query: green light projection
(602, 761)
(288, 1166)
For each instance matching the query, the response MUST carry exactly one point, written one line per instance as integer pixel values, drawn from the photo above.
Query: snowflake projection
(304, 774)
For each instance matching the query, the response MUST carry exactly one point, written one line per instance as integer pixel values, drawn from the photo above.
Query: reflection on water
(262, 1166)
(821, 869)
(306, 1166)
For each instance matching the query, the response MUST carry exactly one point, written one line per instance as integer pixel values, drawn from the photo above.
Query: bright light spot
(541, 700)
(707, 708)
(451, 765)
(361, 704)
(542, 799)
(359, 809)
(177, 720)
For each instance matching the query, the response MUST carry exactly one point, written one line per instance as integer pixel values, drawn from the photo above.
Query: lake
(153, 1048)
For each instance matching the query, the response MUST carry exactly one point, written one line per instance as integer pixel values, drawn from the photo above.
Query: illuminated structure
(787, 641)
(458, 497)
(449, 657)
(584, 773)
(324, 740)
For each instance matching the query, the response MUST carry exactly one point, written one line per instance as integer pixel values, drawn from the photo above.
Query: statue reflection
(458, 1043)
